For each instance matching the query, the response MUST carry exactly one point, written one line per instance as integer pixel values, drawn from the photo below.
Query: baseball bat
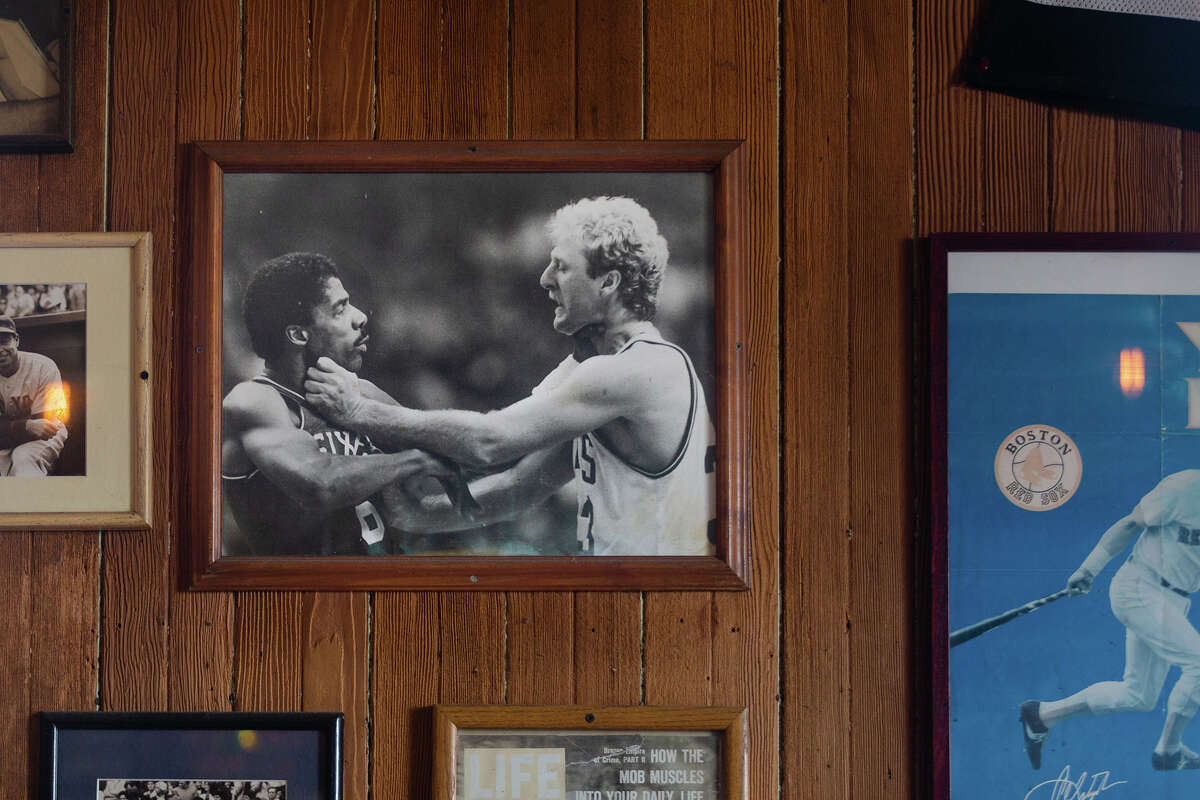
(971, 631)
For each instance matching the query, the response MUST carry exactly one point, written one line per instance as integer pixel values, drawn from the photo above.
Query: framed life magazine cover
(581, 753)
(189, 756)
(75, 412)
(493, 365)
(1066, 514)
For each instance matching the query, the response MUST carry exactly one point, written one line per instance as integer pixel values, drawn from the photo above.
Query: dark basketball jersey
(274, 524)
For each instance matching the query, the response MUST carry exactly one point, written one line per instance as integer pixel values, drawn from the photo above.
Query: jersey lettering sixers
(626, 510)
(274, 524)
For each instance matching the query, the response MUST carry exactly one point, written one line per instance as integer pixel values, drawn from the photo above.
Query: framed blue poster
(1066, 512)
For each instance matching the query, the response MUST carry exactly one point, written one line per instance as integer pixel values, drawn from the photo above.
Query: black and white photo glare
(474, 363)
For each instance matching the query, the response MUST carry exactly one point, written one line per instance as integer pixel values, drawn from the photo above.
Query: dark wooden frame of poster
(59, 141)
(731, 723)
(203, 567)
(940, 247)
(51, 723)
(141, 485)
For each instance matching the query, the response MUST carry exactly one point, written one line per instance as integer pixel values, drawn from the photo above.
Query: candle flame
(1133, 371)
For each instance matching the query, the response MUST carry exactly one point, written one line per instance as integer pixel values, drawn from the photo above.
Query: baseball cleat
(1182, 758)
(1034, 732)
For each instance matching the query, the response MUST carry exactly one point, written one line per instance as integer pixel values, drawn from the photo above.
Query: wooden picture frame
(639, 748)
(1064, 392)
(37, 94)
(166, 754)
(211, 166)
(90, 330)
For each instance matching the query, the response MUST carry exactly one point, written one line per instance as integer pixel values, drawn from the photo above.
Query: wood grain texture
(677, 655)
(1149, 177)
(609, 64)
(1083, 189)
(1190, 191)
(342, 71)
(540, 643)
(608, 648)
(883, 648)
(275, 79)
(544, 69)
(271, 633)
(816, 436)
(1016, 153)
(405, 682)
(16, 668)
(208, 106)
(136, 581)
(473, 655)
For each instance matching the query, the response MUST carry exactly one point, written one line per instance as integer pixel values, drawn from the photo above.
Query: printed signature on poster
(1084, 787)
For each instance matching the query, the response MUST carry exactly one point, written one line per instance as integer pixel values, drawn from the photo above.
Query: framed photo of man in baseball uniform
(496, 365)
(1066, 504)
(74, 381)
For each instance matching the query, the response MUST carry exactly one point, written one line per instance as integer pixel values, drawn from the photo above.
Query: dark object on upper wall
(1136, 58)
(36, 55)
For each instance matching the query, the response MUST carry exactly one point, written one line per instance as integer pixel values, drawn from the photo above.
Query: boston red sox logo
(1038, 467)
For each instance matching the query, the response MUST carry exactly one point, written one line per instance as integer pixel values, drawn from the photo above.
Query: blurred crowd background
(447, 267)
(29, 299)
(190, 790)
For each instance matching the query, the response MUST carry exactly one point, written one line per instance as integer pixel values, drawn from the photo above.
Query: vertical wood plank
(1016, 158)
(540, 633)
(136, 580)
(1190, 191)
(608, 102)
(1083, 171)
(200, 677)
(745, 625)
(270, 636)
(677, 660)
(1149, 177)
(882, 642)
(18, 200)
(405, 682)
(342, 70)
(472, 668)
(815, 553)
(543, 69)
(410, 70)
(608, 648)
(15, 669)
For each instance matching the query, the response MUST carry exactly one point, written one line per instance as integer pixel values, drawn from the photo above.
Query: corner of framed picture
(74, 381)
(1066, 513)
(37, 78)
(436, 365)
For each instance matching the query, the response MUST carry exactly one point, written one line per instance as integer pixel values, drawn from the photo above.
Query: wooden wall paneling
(473, 648)
(337, 625)
(540, 641)
(405, 682)
(1083, 191)
(1016, 144)
(949, 147)
(272, 632)
(608, 105)
(745, 625)
(342, 71)
(136, 580)
(200, 676)
(18, 202)
(1190, 171)
(409, 70)
(16, 557)
(816, 380)
(608, 46)
(65, 609)
(882, 572)
(677, 657)
(1149, 177)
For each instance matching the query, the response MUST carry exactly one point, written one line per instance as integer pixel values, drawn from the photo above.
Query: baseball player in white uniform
(624, 417)
(31, 400)
(1150, 596)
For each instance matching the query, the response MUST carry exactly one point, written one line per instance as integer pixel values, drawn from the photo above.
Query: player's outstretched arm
(600, 390)
(291, 459)
(1114, 540)
(501, 496)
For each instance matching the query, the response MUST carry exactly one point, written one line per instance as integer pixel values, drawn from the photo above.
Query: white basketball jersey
(625, 510)
(1171, 543)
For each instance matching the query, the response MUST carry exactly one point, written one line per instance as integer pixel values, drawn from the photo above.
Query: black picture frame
(59, 761)
(43, 124)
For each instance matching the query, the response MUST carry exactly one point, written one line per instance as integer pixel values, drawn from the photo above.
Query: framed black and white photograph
(189, 756)
(74, 385)
(36, 55)
(1066, 510)
(581, 753)
(486, 366)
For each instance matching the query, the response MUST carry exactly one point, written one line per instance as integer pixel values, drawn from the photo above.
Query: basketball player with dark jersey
(295, 483)
(624, 417)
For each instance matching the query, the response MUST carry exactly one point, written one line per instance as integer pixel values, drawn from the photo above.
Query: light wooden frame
(200, 356)
(729, 723)
(138, 514)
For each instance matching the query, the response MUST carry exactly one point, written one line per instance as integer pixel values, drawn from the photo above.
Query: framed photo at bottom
(190, 756)
(75, 382)
(581, 753)
(1066, 514)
